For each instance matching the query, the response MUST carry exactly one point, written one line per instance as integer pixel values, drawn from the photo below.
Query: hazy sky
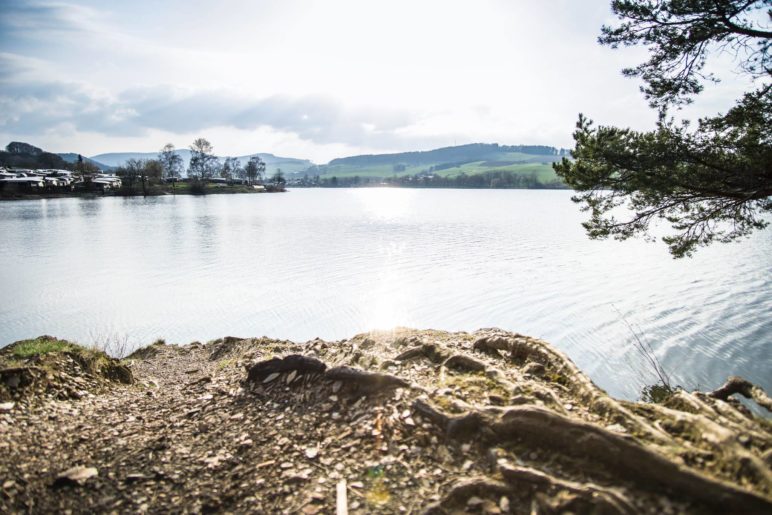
(315, 79)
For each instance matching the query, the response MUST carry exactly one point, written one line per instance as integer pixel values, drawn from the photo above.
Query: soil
(403, 421)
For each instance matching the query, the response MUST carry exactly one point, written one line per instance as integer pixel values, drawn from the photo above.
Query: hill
(288, 165)
(472, 159)
(71, 157)
(23, 155)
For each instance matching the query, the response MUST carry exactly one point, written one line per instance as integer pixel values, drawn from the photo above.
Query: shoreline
(91, 195)
(406, 420)
(245, 191)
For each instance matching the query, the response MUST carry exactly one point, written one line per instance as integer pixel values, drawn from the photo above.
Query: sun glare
(386, 203)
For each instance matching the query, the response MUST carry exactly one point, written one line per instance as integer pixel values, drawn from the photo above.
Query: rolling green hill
(473, 159)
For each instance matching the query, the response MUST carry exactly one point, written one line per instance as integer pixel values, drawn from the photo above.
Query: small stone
(312, 452)
(77, 475)
(6, 406)
(270, 377)
(336, 386)
(504, 504)
(286, 465)
(617, 428)
(357, 484)
(291, 376)
(8, 484)
(474, 501)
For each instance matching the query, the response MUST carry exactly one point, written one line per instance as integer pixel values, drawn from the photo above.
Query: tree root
(427, 350)
(587, 497)
(368, 381)
(521, 349)
(466, 488)
(619, 454)
(745, 388)
(302, 364)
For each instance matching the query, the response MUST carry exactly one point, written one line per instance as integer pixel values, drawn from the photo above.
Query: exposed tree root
(745, 388)
(520, 392)
(369, 381)
(586, 497)
(466, 488)
(302, 364)
(521, 350)
(428, 350)
(619, 454)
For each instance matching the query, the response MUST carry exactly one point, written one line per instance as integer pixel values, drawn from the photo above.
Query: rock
(312, 452)
(6, 406)
(474, 501)
(75, 475)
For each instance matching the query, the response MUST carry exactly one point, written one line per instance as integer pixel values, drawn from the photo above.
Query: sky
(317, 79)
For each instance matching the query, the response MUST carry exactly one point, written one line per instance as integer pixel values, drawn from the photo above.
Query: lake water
(332, 263)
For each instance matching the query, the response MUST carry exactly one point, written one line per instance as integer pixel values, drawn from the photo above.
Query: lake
(335, 262)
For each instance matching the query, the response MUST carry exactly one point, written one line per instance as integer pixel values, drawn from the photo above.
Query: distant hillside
(458, 155)
(72, 158)
(23, 155)
(288, 165)
(472, 159)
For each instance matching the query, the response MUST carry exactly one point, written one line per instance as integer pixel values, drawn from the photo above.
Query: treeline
(154, 176)
(485, 180)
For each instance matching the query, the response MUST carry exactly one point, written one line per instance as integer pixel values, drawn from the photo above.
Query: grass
(39, 346)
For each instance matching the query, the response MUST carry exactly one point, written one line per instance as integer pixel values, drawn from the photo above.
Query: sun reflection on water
(386, 203)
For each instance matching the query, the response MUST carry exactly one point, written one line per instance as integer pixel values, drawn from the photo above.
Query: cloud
(25, 18)
(31, 105)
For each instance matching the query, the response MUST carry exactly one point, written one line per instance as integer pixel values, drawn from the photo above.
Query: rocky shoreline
(403, 421)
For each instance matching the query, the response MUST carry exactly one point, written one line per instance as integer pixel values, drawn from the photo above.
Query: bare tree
(231, 168)
(202, 160)
(171, 163)
(254, 169)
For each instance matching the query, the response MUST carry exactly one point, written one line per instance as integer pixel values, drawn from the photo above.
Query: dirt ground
(403, 421)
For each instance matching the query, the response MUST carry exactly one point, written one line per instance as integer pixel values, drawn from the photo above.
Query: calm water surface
(332, 263)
